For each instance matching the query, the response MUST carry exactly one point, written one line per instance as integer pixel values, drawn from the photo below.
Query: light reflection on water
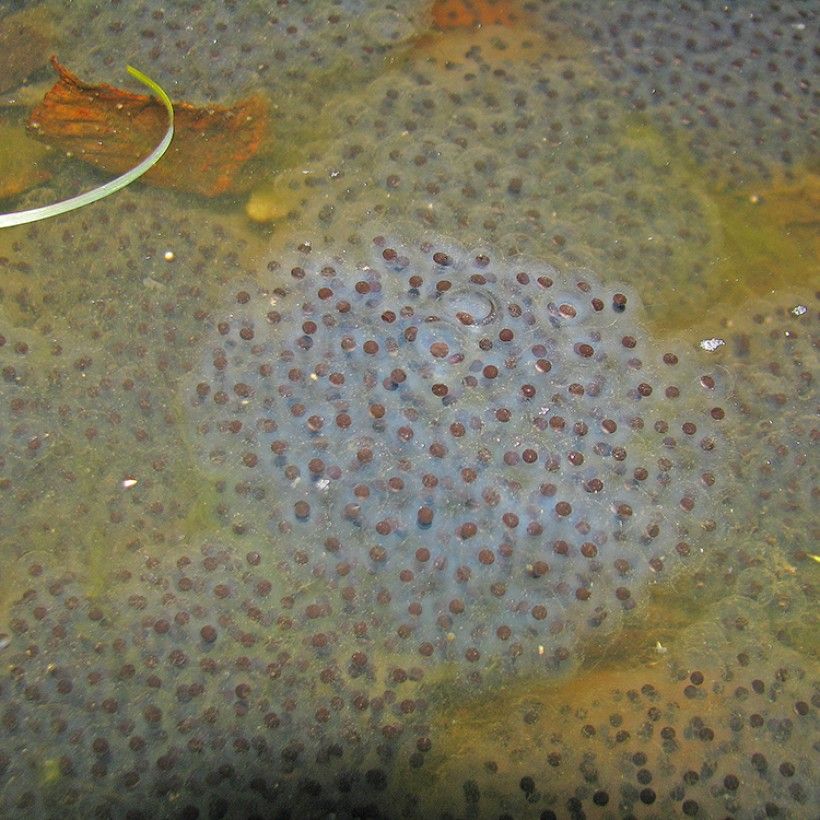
(167, 654)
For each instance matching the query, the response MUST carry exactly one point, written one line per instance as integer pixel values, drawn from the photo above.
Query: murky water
(397, 481)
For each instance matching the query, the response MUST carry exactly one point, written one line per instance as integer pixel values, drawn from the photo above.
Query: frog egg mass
(495, 454)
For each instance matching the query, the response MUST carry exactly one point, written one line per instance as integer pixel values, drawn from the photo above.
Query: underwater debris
(96, 194)
(111, 128)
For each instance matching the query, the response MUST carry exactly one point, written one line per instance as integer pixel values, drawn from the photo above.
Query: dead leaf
(115, 129)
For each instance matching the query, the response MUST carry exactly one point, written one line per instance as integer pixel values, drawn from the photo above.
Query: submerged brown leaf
(115, 129)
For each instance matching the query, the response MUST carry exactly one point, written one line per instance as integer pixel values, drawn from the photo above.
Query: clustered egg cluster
(275, 555)
(221, 49)
(703, 741)
(496, 449)
(259, 666)
(525, 151)
(737, 81)
(773, 353)
(196, 688)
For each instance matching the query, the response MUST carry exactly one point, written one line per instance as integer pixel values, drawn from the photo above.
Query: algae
(763, 236)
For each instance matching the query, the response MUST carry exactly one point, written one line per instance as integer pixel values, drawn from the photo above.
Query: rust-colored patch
(453, 14)
(115, 129)
(504, 30)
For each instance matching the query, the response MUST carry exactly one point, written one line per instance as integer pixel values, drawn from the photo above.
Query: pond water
(435, 436)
